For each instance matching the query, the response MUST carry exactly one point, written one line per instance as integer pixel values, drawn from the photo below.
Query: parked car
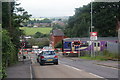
(47, 57)
(35, 51)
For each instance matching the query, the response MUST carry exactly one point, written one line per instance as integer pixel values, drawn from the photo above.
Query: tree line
(12, 18)
(46, 20)
(105, 18)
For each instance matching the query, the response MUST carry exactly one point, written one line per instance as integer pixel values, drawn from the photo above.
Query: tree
(9, 52)
(40, 35)
(78, 25)
(41, 42)
(46, 20)
(57, 26)
(11, 22)
(105, 16)
(21, 18)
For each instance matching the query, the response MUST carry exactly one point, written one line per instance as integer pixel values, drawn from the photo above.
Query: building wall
(56, 39)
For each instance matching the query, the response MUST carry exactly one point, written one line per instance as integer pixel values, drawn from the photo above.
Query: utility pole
(91, 28)
(0, 39)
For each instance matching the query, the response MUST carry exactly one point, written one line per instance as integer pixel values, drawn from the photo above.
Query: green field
(32, 31)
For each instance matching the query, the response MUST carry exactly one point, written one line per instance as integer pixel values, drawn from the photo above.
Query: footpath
(19, 70)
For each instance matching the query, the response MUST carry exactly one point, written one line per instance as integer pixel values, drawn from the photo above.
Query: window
(84, 45)
(95, 44)
(48, 52)
(106, 44)
(98, 44)
(69, 44)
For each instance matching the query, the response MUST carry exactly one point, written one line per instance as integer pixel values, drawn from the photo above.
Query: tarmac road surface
(68, 68)
(59, 71)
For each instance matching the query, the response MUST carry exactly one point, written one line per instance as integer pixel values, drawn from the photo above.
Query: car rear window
(48, 53)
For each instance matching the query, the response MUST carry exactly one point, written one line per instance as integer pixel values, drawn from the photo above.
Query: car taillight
(42, 57)
(56, 57)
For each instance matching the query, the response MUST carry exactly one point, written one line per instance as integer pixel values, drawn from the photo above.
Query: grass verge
(102, 56)
(32, 31)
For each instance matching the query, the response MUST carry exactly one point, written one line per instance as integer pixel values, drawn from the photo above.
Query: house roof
(57, 32)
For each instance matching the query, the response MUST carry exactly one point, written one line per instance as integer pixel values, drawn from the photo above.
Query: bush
(105, 55)
(58, 45)
(9, 52)
(41, 42)
(39, 35)
(109, 55)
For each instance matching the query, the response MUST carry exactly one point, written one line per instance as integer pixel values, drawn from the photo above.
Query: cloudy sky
(52, 8)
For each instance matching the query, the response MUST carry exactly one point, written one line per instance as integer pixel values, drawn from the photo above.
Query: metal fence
(113, 47)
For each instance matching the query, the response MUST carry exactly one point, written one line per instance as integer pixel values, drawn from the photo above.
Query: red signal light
(77, 43)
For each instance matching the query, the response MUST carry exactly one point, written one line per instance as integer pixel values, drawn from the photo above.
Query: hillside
(32, 31)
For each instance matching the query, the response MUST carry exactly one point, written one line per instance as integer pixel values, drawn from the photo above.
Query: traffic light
(77, 43)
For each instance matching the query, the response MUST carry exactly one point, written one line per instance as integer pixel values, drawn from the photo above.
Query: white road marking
(70, 66)
(73, 67)
(31, 76)
(95, 75)
(80, 70)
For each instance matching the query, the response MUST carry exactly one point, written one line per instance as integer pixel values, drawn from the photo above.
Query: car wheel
(41, 63)
(37, 60)
(56, 63)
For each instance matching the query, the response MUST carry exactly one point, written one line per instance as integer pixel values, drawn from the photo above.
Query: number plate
(50, 60)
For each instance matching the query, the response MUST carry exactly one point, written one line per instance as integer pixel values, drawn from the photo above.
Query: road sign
(93, 35)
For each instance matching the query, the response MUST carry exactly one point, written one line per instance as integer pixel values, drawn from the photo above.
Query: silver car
(48, 57)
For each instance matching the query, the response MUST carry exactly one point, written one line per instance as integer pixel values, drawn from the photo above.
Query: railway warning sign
(93, 35)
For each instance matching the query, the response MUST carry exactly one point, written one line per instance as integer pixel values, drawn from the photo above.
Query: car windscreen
(48, 53)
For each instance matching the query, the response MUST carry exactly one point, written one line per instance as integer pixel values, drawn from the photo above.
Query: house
(45, 25)
(56, 36)
(58, 22)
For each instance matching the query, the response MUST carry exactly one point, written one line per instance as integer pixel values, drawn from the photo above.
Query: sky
(52, 8)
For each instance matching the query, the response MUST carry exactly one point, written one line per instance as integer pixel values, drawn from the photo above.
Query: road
(59, 71)
(68, 68)
(89, 66)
